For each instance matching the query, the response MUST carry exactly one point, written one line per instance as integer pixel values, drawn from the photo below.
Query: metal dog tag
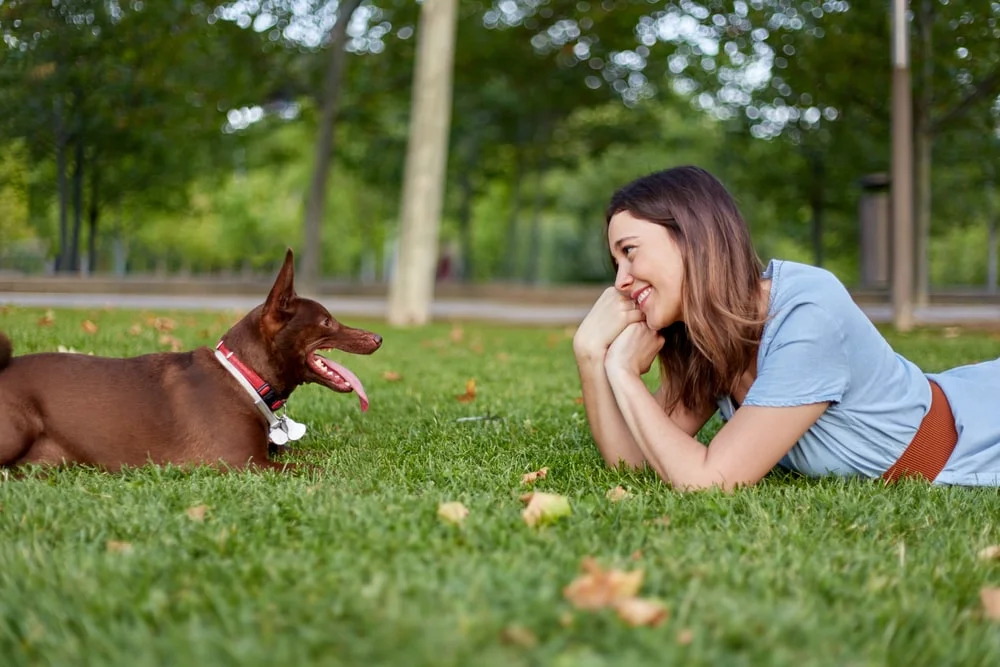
(286, 429)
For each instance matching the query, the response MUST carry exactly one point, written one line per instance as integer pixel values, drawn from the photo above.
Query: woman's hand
(609, 316)
(634, 350)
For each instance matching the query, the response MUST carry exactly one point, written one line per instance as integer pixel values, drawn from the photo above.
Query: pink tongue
(352, 379)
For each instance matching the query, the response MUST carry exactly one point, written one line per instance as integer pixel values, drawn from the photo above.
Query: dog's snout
(377, 339)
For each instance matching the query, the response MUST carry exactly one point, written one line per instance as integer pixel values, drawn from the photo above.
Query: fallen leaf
(174, 343)
(598, 588)
(470, 392)
(162, 324)
(47, 320)
(135, 329)
(391, 376)
(578, 400)
(89, 327)
(544, 507)
(990, 553)
(116, 547)
(519, 635)
(639, 611)
(532, 477)
(685, 637)
(617, 494)
(197, 513)
(457, 334)
(453, 512)
(991, 602)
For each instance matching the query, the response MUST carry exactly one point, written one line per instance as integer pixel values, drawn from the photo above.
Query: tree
(412, 283)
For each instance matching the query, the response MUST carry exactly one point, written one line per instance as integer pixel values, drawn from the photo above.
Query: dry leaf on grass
(47, 320)
(617, 494)
(991, 602)
(470, 392)
(532, 477)
(89, 326)
(991, 552)
(117, 547)
(135, 329)
(578, 400)
(456, 334)
(598, 588)
(197, 513)
(518, 635)
(391, 376)
(162, 324)
(174, 343)
(544, 508)
(453, 512)
(639, 611)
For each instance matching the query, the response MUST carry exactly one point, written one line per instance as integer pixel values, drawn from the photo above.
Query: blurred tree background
(180, 137)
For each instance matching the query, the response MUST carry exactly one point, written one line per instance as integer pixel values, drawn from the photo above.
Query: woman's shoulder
(794, 282)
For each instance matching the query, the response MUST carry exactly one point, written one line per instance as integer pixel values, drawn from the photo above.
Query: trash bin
(875, 221)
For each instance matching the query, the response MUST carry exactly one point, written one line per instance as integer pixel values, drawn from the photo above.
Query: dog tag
(277, 435)
(294, 429)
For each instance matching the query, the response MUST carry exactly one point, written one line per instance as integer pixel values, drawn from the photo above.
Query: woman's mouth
(641, 296)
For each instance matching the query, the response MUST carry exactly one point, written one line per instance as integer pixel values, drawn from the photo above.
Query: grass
(351, 566)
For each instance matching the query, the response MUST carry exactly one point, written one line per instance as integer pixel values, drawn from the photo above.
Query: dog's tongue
(352, 379)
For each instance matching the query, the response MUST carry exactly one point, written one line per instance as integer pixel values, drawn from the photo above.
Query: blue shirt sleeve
(804, 360)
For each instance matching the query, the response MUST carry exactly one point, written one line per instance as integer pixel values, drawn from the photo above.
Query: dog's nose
(377, 339)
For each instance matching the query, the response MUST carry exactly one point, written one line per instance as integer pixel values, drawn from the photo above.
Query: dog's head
(294, 330)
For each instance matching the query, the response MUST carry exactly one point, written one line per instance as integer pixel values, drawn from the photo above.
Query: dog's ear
(278, 306)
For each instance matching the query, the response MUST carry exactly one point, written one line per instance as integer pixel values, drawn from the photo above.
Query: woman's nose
(623, 278)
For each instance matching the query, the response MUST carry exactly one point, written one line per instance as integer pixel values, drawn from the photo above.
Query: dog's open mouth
(338, 378)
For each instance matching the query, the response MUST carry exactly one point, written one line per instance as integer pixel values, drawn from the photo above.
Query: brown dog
(200, 407)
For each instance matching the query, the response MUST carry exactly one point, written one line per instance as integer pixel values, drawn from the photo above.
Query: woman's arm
(610, 315)
(743, 451)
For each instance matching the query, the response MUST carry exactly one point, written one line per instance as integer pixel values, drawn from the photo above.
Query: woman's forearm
(676, 457)
(610, 432)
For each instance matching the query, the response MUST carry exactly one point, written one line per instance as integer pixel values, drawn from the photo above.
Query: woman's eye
(627, 250)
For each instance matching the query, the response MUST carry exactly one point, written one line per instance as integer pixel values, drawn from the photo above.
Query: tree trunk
(78, 167)
(923, 147)
(412, 287)
(93, 214)
(535, 234)
(312, 249)
(61, 141)
(991, 227)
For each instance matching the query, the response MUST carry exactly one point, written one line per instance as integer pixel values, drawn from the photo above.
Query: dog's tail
(6, 351)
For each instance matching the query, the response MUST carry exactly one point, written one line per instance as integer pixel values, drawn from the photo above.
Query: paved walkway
(442, 309)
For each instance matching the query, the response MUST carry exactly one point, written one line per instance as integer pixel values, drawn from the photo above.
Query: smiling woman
(798, 372)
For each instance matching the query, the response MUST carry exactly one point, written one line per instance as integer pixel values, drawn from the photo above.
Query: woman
(800, 375)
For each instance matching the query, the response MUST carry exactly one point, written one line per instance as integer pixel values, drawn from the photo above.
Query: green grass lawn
(352, 566)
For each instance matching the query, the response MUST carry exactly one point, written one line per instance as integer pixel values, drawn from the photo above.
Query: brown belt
(933, 444)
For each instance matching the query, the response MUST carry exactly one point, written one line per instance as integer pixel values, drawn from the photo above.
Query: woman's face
(650, 268)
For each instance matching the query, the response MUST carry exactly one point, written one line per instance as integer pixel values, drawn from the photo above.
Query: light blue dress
(818, 345)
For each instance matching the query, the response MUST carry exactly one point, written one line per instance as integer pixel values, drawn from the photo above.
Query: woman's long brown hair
(705, 356)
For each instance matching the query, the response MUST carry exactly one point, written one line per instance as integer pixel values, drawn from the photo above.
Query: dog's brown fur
(181, 408)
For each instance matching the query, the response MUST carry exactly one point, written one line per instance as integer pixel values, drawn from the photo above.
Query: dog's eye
(327, 322)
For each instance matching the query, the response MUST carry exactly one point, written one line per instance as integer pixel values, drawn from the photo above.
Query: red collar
(263, 389)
